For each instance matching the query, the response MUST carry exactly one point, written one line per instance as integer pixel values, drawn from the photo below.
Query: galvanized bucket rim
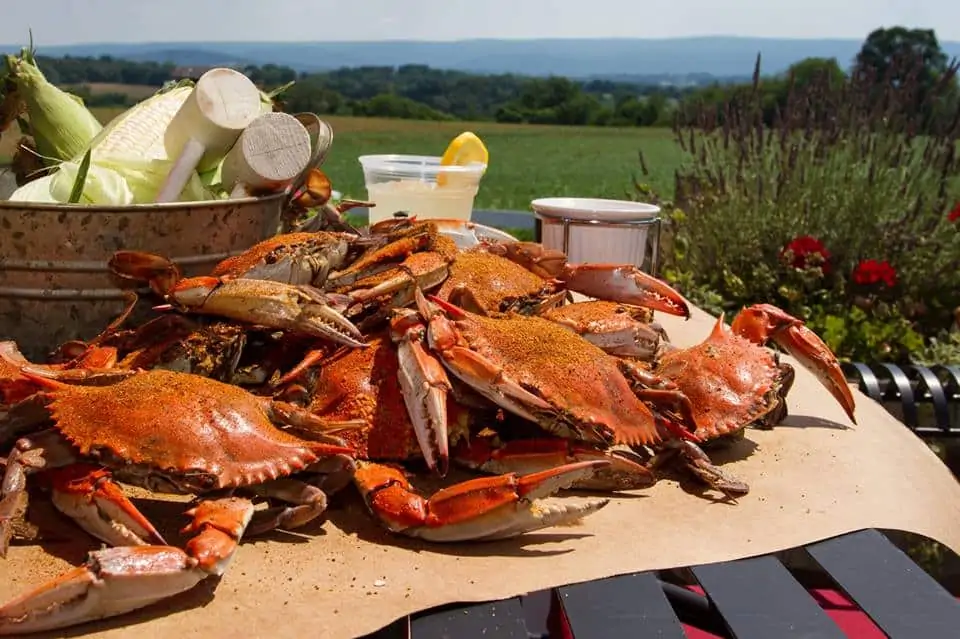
(139, 208)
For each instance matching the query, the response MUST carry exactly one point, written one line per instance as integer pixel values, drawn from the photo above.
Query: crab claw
(763, 322)
(119, 580)
(425, 388)
(88, 495)
(159, 272)
(298, 309)
(486, 508)
(626, 470)
(626, 284)
(111, 582)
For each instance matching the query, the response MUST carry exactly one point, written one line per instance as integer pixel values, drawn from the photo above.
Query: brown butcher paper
(814, 477)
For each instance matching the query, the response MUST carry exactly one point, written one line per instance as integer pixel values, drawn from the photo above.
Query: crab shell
(292, 258)
(542, 372)
(484, 283)
(730, 381)
(170, 430)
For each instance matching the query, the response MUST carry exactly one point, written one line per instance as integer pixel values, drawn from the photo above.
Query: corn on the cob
(128, 161)
(138, 132)
(132, 144)
(60, 124)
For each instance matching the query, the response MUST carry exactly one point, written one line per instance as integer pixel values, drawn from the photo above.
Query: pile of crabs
(321, 360)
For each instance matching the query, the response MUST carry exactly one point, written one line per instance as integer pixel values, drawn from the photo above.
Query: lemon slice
(465, 149)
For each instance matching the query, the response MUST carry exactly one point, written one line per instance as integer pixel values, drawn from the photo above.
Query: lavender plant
(833, 201)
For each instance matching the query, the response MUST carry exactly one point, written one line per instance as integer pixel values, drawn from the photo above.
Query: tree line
(424, 93)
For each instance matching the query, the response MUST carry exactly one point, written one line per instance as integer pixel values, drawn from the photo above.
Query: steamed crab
(373, 386)
(225, 351)
(538, 371)
(167, 432)
(619, 329)
(543, 373)
(732, 381)
(288, 282)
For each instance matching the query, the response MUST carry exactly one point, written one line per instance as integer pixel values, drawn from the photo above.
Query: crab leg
(386, 257)
(159, 272)
(622, 283)
(308, 503)
(41, 451)
(298, 309)
(305, 421)
(426, 270)
(14, 387)
(699, 463)
(626, 284)
(486, 508)
(119, 580)
(425, 387)
(763, 322)
(626, 470)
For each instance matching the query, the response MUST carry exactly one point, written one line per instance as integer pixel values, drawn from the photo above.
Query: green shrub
(840, 213)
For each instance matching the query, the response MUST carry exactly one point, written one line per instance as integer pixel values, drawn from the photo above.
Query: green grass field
(526, 162)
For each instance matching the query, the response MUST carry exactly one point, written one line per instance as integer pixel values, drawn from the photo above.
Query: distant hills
(622, 59)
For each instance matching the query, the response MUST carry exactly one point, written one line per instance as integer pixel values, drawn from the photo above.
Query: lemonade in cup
(426, 186)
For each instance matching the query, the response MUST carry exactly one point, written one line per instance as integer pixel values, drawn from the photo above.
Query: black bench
(905, 390)
(750, 598)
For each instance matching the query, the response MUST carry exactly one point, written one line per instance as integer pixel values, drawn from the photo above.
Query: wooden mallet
(222, 104)
(269, 155)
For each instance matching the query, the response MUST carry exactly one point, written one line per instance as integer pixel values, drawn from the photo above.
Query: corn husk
(60, 124)
(102, 186)
(38, 191)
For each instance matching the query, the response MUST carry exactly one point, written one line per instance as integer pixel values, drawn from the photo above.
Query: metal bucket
(54, 282)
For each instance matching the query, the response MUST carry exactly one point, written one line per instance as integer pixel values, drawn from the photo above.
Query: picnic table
(877, 591)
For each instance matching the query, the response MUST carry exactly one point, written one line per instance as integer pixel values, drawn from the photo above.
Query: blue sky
(77, 21)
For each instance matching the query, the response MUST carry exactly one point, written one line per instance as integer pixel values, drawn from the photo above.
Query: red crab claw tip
(454, 310)
(163, 307)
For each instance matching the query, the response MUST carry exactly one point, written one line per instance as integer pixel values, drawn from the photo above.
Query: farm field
(135, 91)
(526, 162)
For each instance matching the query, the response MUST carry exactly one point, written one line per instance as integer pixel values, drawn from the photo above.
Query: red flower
(954, 214)
(802, 248)
(869, 272)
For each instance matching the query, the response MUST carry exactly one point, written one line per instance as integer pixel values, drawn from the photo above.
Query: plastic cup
(608, 231)
(409, 183)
